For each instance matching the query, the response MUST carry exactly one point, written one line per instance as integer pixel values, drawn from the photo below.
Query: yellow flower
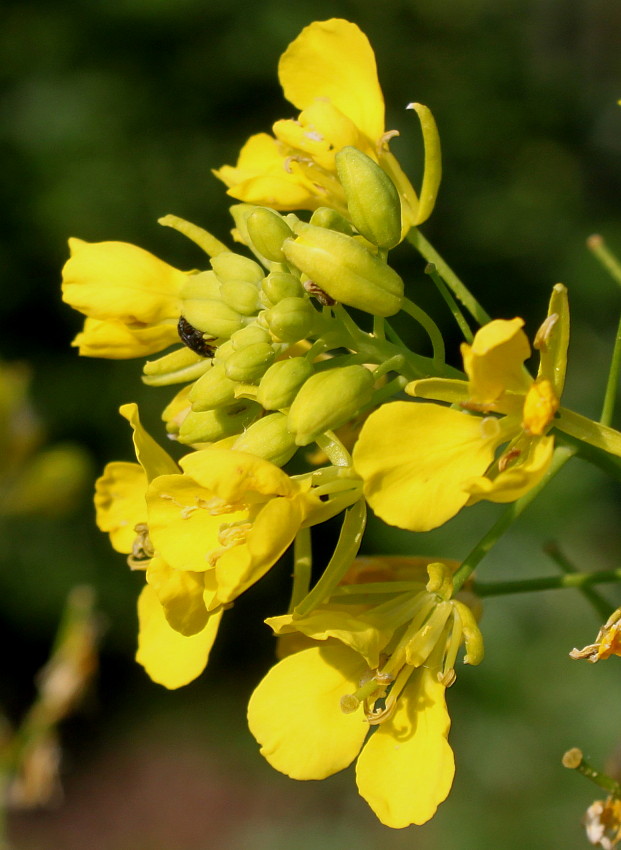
(607, 642)
(603, 823)
(391, 662)
(131, 298)
(329, 73)
(421, 463)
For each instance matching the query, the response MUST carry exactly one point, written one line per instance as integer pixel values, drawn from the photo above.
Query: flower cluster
(268, 360)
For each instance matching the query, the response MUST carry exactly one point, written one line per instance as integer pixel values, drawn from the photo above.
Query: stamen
(142, 548)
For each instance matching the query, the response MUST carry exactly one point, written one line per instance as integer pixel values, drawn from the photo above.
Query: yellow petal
(169, 658)
(180, 593)
(415, 458)
(236, 476)
(295, 713)
(120, 503)
(494, 361)
(533, 459)
(333, 59)
(260, 153)
(151, 456)
(406, 768)
(116, 341)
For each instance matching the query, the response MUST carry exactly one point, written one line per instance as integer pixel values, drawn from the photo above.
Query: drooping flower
(389, 662)
(329, 73)
(607, 642)
(422, 462)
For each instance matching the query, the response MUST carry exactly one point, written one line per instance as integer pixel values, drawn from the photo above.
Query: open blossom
(422, 462)
(329, 73)
(603, 823)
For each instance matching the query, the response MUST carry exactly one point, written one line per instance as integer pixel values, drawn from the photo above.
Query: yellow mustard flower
(603, 823)
(130, 297)
(421, 463)
(391, 663)
(607, 642)
(329, 73)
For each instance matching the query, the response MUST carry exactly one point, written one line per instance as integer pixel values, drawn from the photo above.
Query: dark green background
(113, 114)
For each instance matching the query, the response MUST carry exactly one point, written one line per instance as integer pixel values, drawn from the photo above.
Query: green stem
(432, 329)
(302, 566)
(561, 455)
(459, 289)
(608, 260)
(607, 783)
(585, 429)
(337, 454)
(344, 553)
(612, 384)
(450, 301)
(528, 585)
(601, 605)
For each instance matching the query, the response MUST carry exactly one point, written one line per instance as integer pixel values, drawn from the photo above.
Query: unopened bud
(213, 389)
(229, 266)
(372, 199)
(344, 269)
(249, 363)
(200, 286)
(178, 366)
(240, 296)
(279, 285)
(212, 317)
(249, 335)
(268, 230)
(268, 438)
(332, 220)
(280, 384)
(291, 319)
(211, 425)
(327, 400)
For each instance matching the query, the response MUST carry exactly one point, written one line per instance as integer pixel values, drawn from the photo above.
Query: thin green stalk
(612, 384)
(561, 455)
(528, 585)
(453, 306)
(433, 331)
(337, 454)
(597, 246)
(457, 287)
(601, 605)
(302, 566)
(574, 760)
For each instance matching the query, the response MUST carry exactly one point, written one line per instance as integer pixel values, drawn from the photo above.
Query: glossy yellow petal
(180, 593)
(169, 658)
(115, 280)
(236, 476)
(406, 768)
(540, 405)
(415, 458)
(120, 503)
(151, 456)
(333, 59)
(320, 132)
(116, 341)
(523, 473)
(260, 153)
(295, 713)
(494, 361)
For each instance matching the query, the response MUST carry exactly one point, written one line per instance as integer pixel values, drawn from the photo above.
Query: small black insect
(194, 339)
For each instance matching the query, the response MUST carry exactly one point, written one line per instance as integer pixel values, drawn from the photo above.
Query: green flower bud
(211, 425)
(212, 317)
(213, 389)
(229, 266)
(279, 285)
(268, 438)
(240, 296)
(200, 286)
(249, 335)
(291, 319)
(332, 220)
(372, 199)
(180, 365)
(327, 400)
(268, 231)
(249, 363)
(280, 384)
(345, 270)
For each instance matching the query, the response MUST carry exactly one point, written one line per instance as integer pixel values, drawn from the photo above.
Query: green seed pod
(332, 220)
(249, 335)
(372, 198)
(248, 364)
(291, 319)
(213, 389)
(229, 266)
(279, 285)
(212, 317)
(240, 296)
(268, 231)
(268, 438)
(280, 384)
(328, 400)
(345, 270)
(211, 425)
(177, 367)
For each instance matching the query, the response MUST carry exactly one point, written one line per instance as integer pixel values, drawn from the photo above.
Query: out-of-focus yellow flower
(329, 73)
(602, 821)
(421, 463)
(607, 642)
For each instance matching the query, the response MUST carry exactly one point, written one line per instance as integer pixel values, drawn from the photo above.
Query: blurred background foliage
(113, 114)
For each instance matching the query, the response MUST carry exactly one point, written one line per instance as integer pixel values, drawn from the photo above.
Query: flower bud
(372, 199)
(240, 296)
(327, 400)
(280, 384)
(213, 389)
(332, 220)
(200, 286)
(212, 317)
(249, 335)
(180, 365)
(279, 285)
(229, 266)
(268, 438)
(346, 270)
(249, 363)
(211, 425)
(291, 319)
(268, 231)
